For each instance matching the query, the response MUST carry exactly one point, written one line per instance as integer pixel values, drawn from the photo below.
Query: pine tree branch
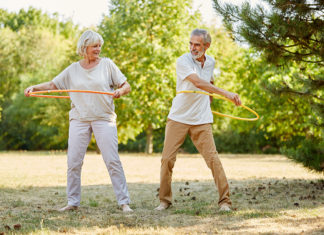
(314, 40)
(301, 42)
(282, 47)
(288, 46)
(312, 61)
(287, 89)
(294, 53)
(290, 91)
(317, 83)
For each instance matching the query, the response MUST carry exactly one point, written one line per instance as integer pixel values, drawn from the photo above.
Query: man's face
(197, 46)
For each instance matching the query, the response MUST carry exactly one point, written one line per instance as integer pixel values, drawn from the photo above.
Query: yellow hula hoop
(223, 98)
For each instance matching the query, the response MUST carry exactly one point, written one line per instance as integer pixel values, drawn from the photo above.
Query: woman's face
(93, 51)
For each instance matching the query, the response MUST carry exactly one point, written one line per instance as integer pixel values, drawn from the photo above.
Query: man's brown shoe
(68, 208)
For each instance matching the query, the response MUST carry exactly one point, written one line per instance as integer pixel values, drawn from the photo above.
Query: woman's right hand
(28, 90)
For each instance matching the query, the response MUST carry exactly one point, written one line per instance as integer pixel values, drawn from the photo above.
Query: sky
(89, 13)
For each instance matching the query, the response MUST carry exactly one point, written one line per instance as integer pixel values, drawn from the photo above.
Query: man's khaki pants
(202, 137)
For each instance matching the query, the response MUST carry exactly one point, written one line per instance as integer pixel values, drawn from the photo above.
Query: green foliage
(36, 18)
(290, 36)
(282, 116)
(24, 126)
(287, 121)
(8, 59)
(254, 141)
(144, 39)
(310, 152)
(284, 30)
(32, 55)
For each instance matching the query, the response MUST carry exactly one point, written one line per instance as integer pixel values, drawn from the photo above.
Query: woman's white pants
(106, 136)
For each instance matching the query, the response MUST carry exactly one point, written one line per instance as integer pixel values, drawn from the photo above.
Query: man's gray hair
(202, 32)
(88, 38)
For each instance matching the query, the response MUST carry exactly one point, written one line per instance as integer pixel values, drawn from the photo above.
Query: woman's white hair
(88, 38)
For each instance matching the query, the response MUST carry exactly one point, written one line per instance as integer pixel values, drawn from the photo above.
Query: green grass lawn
(270, 194)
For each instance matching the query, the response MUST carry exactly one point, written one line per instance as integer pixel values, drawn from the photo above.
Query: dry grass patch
(270, 194)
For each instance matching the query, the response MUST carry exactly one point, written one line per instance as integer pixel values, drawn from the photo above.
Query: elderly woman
(91, 113)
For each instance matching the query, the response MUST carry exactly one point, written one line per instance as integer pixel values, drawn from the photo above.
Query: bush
(253, 142)
(309, 152)
(226, 142)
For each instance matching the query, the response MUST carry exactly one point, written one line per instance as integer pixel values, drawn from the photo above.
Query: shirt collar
(198, 62)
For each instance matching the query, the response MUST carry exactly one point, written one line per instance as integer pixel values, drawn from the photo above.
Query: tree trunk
(149, 140)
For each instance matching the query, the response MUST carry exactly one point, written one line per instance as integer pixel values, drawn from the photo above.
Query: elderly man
(191, 114)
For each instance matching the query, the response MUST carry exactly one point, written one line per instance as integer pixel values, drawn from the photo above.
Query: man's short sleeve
(184, 69)
(117, 76)
(61, 81)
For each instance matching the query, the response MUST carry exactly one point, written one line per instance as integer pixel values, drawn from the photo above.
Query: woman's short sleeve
(61, 81)
(118, 78)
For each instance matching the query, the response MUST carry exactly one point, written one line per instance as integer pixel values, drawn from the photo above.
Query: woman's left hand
(117, 94)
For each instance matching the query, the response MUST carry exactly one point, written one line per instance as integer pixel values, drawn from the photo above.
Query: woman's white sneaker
(68, 208)
(126, 208)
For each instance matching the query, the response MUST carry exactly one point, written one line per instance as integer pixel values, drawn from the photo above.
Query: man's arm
(206, 86)
(210, 97)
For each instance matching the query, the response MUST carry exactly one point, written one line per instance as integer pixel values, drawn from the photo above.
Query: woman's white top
(88, 106)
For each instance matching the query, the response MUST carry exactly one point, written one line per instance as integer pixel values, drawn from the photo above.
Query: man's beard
(200, 54)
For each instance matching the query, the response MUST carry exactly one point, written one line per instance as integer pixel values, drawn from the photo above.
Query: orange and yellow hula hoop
(36, 93)
(223, 98)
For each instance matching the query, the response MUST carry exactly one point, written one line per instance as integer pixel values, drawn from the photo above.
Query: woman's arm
(124, 89)
(40, 87)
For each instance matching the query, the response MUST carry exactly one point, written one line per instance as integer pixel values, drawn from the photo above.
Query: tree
(8, 72)
(284, 30)
(144, 38)
(35, 17)
(290, 35)
(290, 32)
(18, 54)
(29, 54)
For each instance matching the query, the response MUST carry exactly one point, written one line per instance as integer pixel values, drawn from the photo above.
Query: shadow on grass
(195, 204)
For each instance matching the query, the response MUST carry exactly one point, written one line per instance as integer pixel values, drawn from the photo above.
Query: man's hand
(206, 86)
(233, 97)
